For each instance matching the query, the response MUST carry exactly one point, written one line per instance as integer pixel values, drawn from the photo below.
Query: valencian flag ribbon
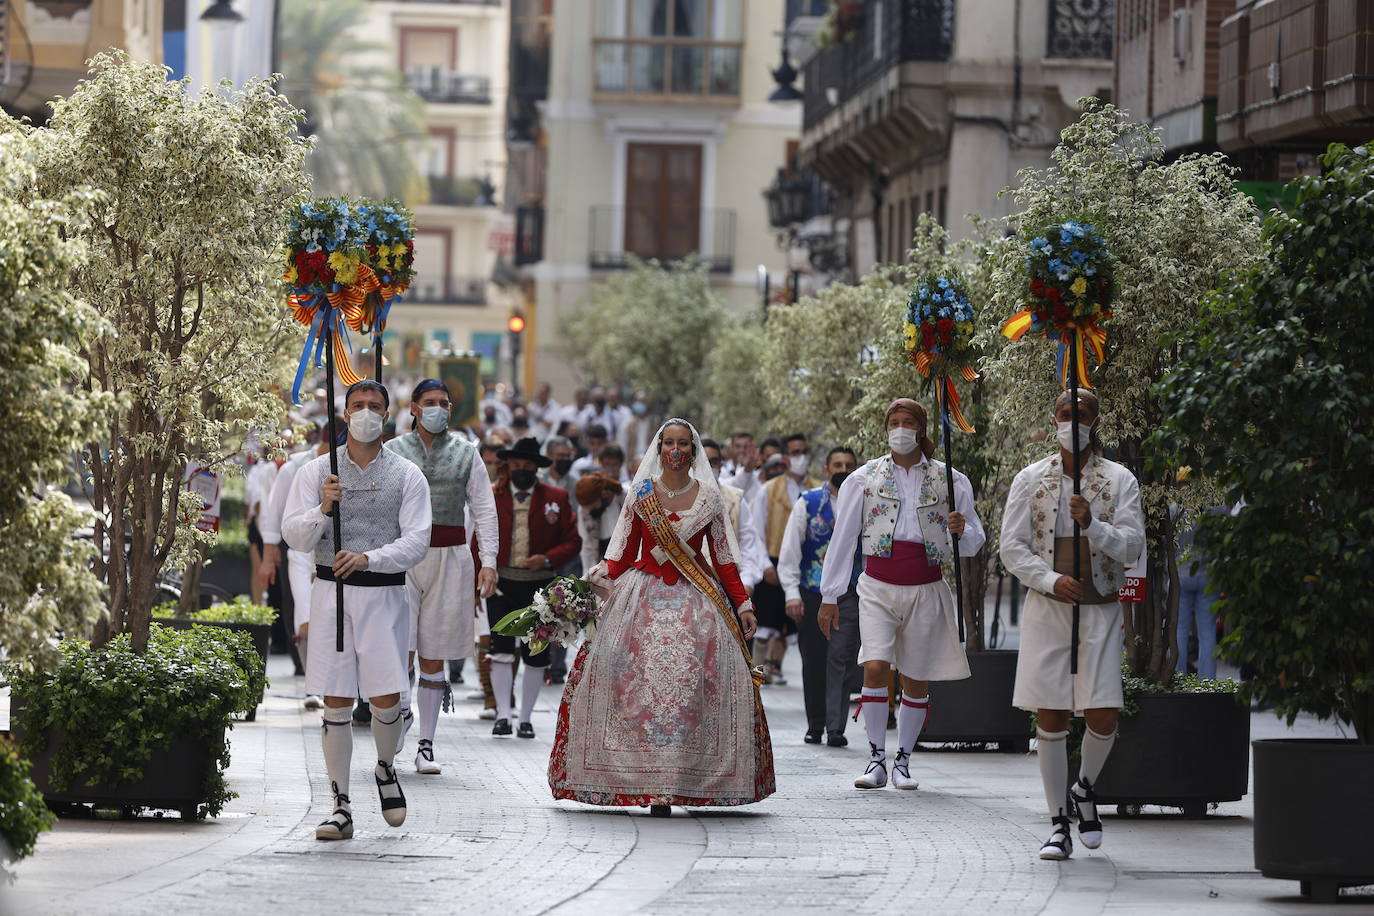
(946, 394)
(1071, 282)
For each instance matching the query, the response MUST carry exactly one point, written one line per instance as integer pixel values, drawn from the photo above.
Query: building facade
(453, 53)
(44, 45)
(660, 138)
(933, 106)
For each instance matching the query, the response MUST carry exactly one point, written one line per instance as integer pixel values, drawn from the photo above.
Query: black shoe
(660, 811)
(501, 727)
(526, 730)
(813, 736)
(1084, 801)
(393, 806)
(362, 714)
(837, 740)
(1059, 846)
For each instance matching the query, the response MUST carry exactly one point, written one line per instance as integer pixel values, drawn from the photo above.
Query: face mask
(434, 419)
(1085, 435)
(562, 465)
(838, 478)
(676, 459)
(365, 426)
(903, 441)
(797, 465)
(639, 408)
(522, 479)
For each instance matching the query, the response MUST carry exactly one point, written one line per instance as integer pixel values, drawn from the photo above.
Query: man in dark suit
(538, 535)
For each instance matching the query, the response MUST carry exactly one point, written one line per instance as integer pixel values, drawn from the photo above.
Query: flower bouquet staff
(896, 508)
(662, 705)
(1038, 548)
(537, 534)
(384, 508)
(441, 587)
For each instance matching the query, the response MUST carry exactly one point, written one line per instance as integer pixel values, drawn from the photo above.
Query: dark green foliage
(23, 815)
(1276, 389)
(119, 706)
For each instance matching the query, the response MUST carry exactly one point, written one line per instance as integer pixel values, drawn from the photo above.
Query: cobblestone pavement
(486, 837)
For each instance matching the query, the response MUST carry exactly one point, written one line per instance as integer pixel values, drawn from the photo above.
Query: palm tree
(365, 119)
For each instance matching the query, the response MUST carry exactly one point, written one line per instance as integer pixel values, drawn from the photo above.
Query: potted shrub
(239, 614)
(1276, 393)
(110, 726)
(22, 813)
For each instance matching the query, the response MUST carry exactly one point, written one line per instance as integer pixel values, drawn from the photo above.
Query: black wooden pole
(1077, 468)
(946, 428)
(328, 332)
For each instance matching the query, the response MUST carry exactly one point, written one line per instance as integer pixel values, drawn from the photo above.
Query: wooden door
(663, 200)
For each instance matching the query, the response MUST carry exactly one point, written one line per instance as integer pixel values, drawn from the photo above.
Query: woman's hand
(748, 623)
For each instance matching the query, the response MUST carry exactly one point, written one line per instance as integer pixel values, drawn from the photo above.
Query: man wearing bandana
(441, 586)
(896, 509)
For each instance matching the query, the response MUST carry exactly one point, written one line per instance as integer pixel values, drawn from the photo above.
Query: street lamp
(789, 200)
(221, 13)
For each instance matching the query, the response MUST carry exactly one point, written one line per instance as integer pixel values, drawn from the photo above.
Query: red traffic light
(516, 323)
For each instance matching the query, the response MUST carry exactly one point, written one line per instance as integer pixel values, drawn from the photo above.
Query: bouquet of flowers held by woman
(561, 610)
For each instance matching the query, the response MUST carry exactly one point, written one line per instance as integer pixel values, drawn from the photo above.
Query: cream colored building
(454, 54)
(660, 141)
(46, 44)
(933, 106)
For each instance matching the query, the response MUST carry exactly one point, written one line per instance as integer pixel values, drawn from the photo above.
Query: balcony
(649, 233)
(1081, 29)
(466, 191)
(529, 235)
(899, 31)
(658, 68)
(429, 290)
(435, 84)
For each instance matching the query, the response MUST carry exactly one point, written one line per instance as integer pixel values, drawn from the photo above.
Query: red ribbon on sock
(866, 699)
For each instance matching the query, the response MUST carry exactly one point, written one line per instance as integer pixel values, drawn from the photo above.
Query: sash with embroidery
(667, 539)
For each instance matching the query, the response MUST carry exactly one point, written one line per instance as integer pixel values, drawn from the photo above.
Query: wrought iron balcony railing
(435, 84)
(651, 233)
(450, 290)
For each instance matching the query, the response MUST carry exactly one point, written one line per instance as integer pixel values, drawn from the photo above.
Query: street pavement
(485, 837)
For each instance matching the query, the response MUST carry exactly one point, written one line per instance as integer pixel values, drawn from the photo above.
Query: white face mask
(365, 426)
(434, 419)
(1085, 435)
(797, 464)
(903, 441)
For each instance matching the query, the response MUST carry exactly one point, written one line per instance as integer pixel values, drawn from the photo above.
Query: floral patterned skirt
(659, 708)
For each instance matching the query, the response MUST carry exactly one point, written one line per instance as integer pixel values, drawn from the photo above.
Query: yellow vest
(779, 509)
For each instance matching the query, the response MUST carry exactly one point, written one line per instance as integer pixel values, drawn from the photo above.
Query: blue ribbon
(313, 336)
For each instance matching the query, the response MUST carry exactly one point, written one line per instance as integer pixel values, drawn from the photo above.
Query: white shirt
(595, 530)
(760, 504)
(753, 558)
(789, 555)
(274, 507)
(543, 418)
(606, 416)
(258, 485)
(303, 524)
(839, 557)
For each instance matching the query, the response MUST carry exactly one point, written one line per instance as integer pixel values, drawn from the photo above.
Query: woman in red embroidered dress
(662, 706)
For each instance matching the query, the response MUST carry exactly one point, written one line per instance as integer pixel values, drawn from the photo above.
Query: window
(668, 47)
(663, 200)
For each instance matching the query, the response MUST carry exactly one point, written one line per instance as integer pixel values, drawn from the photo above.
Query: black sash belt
(363, 577)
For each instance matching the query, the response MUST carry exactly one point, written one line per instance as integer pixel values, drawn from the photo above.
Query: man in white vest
(897, 509)
(1037, 548)
(383, 502)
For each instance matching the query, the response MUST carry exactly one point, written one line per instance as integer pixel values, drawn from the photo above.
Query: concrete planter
(1314, 807)
(1183, 750)
(978, 709)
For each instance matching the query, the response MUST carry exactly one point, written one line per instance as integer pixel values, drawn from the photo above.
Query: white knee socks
(1054, 769)
(337, 740)
(502, 680)
(874, 700)
(431, 697)
(530, 682)
(1094, 753)
(388, 724)
(911, 718)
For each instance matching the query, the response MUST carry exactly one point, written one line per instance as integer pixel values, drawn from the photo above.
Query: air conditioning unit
(1183, 34)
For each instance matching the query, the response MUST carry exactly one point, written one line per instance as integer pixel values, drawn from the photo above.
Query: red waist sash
(907, 565)
(447, 535)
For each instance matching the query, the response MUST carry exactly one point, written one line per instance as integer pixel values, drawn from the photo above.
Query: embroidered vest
(371, 504)
(779, 510)
(882, 503)
(1108, 574)
(446, 465)
(820, 525)
(732, 497)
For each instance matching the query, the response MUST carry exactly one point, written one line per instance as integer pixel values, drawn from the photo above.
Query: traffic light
(516, 323)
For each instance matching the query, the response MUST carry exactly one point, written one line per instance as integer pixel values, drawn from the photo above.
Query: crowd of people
(711, 556)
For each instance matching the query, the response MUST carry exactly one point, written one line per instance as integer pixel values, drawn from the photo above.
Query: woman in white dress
(662, 706)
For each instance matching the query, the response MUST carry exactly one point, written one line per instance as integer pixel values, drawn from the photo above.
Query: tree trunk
(975, 571)
(190, 583)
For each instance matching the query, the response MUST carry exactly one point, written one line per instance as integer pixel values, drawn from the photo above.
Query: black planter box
(260, 633)
(1314, 810)
(174, 776)
(1181, 750)
(230, 572)
(978, 709)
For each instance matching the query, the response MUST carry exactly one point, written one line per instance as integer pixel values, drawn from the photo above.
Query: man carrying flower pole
(1072, 505)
